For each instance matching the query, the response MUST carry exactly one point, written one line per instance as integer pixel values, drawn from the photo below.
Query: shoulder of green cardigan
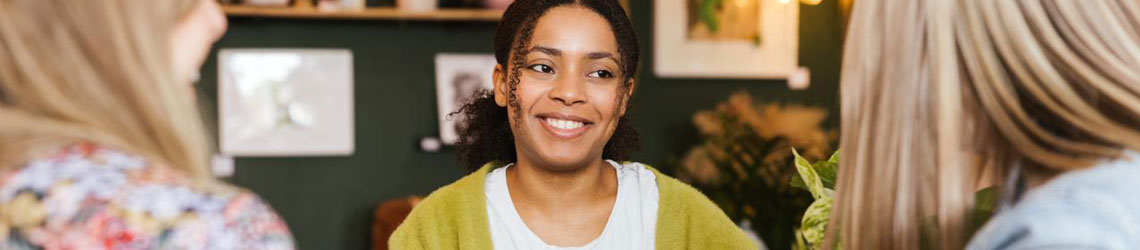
(686, 218)
(437, 221)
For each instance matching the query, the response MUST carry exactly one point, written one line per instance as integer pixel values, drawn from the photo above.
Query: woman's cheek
(531, 91)
(606, 99)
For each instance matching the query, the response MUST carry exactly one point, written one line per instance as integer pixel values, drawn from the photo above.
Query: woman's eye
(601, 74)
(542, 68)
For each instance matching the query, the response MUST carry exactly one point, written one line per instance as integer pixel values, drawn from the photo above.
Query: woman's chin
(561, 162)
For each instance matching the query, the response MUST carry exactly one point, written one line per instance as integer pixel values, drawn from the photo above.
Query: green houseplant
(744, 162)
(819, 178)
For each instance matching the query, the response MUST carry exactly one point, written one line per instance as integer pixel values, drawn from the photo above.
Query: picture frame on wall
(457, 78)
(285, 102)
(755, 39)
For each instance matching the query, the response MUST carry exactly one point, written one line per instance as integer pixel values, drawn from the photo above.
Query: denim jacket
(1095, 208)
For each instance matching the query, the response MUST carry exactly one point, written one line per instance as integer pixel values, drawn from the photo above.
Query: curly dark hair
(487, 135)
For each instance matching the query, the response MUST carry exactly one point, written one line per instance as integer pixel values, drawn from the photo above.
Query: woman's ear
(499, 77)
(628, 95)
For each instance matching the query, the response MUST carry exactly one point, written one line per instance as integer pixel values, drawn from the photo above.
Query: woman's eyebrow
(546, 50)
(601, 55)
(556, 52)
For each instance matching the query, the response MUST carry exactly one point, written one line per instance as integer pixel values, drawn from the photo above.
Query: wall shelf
(378, 13)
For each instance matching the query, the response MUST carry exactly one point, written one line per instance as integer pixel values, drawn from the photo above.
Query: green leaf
(800, 243)
(986, 199)
(814, 224)
(985, 203)
(798, 182)
(810, 177)
(827, 173)
(826, 170)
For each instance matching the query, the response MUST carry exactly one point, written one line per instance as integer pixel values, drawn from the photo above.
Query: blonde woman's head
(112, 72)
(938, 96)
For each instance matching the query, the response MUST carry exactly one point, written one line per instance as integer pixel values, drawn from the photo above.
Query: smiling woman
(548, 139)
(492, 139)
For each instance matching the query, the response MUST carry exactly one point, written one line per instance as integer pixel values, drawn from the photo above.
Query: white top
(631, 225)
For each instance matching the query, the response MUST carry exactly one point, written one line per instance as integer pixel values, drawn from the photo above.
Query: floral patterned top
(90, 197)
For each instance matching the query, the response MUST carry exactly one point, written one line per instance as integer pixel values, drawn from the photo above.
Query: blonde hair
(936, 92)
(98, 72)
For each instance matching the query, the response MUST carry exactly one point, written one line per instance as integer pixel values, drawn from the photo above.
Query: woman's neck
(553, 191)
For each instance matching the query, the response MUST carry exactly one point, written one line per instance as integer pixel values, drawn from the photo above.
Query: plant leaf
(814, 223)
(834, 157)
(985, 203)
(809, 176)
(986, 199)
(826, 171)
(798, 182)
(800, 243)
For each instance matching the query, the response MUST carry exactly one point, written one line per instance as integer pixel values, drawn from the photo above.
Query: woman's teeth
(564, 124)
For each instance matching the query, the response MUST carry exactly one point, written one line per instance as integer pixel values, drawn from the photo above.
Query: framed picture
(726, 38)
(285, 102)
(457, 78)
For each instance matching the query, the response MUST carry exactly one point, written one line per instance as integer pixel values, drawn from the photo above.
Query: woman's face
(568, 92)
(192, 36)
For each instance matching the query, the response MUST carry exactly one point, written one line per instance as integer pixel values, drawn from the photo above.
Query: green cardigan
(455, 217)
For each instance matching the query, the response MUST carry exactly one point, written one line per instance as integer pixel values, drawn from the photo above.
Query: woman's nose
(568, 90)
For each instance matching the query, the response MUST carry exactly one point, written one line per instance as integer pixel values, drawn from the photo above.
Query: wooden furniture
(388, 217)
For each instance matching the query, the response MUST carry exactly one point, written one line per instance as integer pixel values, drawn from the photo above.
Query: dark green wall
(327, 201)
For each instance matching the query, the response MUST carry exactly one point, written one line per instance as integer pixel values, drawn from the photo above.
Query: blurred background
(728, 133)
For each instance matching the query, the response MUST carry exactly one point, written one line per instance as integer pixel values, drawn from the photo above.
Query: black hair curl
(486, 136)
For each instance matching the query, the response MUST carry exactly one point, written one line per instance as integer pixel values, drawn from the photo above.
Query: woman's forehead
(574, 30)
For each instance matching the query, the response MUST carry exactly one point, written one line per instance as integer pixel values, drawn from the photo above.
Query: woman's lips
(564, 127)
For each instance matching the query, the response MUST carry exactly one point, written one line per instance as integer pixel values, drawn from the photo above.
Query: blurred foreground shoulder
(88, 197)
(1094, 208)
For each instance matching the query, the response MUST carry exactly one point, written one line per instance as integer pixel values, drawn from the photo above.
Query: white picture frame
(678, 56)
(458, 77)
(285, 102)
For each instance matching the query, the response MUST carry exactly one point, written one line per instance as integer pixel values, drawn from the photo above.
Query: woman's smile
(564, 126)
